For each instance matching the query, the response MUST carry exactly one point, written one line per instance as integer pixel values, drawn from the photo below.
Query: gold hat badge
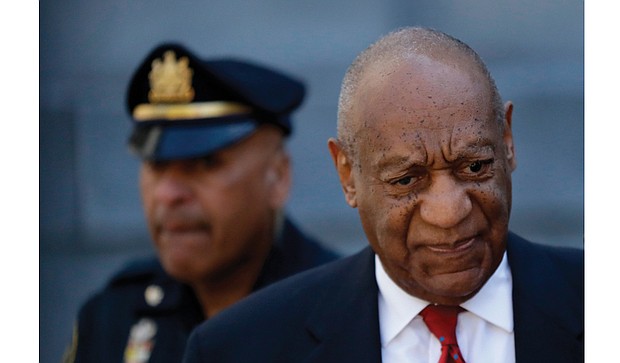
(171, 80)
(171, 94)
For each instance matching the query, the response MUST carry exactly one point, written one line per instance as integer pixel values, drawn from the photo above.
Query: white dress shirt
(484, 331)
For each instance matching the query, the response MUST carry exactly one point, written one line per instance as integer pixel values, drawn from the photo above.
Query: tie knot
(441, 321)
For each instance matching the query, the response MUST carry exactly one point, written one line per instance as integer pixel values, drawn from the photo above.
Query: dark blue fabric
(548, 295)
(330, 314)
(266, 89)
(105, 320)
(191, 141)
(270, 94)
(270, 91)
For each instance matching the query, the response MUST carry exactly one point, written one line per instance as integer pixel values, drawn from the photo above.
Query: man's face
(213, 216)
(431, 178)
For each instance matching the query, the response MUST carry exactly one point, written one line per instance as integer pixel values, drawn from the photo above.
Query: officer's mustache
(181, 218)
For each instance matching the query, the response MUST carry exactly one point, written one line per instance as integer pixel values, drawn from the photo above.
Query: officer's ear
(343, 164)
(278, 178)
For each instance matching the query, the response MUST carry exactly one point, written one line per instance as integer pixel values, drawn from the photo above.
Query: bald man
(425, 153)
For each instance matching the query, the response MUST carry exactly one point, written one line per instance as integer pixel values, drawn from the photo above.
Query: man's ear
(343, 166)
(278, 177)
(508, 141)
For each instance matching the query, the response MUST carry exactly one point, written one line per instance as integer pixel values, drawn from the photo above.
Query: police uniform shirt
(144, 315)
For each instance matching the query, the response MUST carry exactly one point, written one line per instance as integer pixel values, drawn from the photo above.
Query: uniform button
(153, 295)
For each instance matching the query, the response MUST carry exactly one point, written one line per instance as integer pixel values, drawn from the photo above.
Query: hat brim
(177, 142)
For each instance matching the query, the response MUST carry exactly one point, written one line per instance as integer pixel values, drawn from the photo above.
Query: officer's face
(213, 217)
(431, 178)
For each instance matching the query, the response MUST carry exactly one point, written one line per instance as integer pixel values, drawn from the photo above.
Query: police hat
(184, 107)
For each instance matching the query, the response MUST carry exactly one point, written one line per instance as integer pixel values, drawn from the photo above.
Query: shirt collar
(397, 308)
(493, 302)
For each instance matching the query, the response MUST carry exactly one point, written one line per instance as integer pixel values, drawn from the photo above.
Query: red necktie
(441, 321)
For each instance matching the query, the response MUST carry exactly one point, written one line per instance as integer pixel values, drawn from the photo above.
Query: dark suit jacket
(105, 320)
(330, 314)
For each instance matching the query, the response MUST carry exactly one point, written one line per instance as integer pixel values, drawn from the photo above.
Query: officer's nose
(445, 203)
(172, 185)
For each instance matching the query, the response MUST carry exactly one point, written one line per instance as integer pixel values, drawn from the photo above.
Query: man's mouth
(456, 247)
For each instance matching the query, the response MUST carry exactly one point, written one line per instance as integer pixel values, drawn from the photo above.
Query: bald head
(407, 45)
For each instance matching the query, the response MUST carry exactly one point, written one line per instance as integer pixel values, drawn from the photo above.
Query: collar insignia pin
(153, 295)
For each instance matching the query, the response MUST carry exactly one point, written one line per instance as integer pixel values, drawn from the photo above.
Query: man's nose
(445, 203)
(172, 186)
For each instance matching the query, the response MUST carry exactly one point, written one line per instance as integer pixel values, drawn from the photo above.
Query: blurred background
(91, 221)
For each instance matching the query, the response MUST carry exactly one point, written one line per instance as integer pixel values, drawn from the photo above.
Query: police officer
(214, 180)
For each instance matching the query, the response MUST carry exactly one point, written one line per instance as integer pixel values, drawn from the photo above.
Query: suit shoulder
(561, 254)
(555, 273)
(276, 317)
(567, 260)
(302, 250)
(290, 300)
(318, 277)
(305, 285)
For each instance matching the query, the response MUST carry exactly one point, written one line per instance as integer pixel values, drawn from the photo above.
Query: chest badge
(141, 341)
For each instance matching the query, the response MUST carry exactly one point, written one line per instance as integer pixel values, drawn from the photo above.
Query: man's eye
(157, 165)
(475, 166)
(404, 181)
(209, 161)
(478, 166)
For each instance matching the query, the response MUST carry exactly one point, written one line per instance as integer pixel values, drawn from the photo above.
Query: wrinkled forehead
(421, 101)
(420, 86)
(428, 146)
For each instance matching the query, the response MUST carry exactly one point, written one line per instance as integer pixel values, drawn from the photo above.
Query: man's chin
(452, 288)
(180, 267)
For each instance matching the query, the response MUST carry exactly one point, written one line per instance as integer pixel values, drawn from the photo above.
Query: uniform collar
(164, 294)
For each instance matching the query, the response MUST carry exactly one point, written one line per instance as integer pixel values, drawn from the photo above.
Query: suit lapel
(546, 326)
(346, 323)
